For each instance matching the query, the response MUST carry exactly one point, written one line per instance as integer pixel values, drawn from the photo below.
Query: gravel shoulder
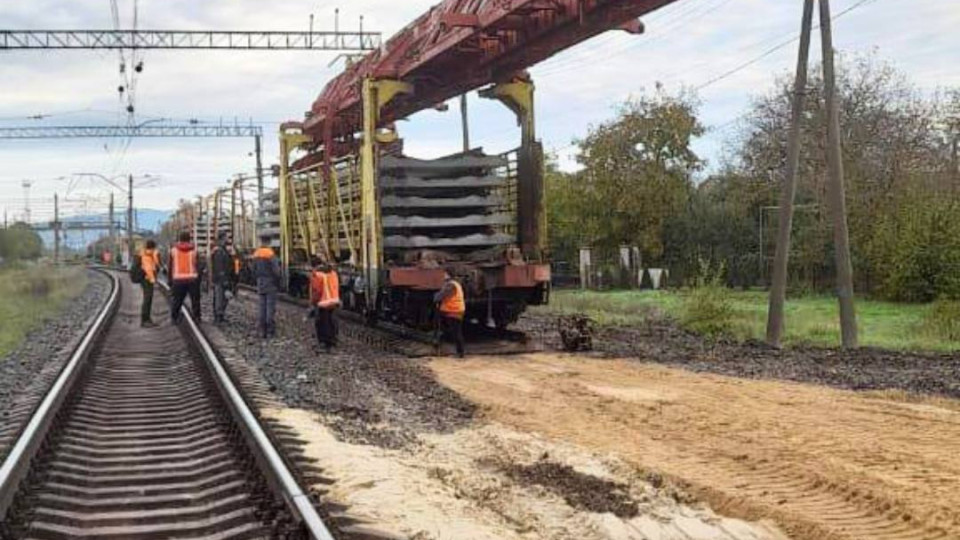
(661, 342)
(27, 371)
(368, 395)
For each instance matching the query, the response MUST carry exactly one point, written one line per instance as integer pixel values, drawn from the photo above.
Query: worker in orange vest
(150, 263)
(325, 298)
(452, 307)
(184, 277)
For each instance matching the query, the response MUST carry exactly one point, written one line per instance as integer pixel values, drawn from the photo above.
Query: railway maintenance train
(393, 224)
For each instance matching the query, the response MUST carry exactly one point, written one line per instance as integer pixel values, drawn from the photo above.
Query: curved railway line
(145, 435)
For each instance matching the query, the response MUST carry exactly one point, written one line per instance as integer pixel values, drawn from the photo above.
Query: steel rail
(17, 463)
(280, 475)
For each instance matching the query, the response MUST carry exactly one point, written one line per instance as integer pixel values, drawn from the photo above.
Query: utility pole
(257, 150)
(465, 122)
(778, 285)
(835, 188)
(130, 247)
(56, 228)
(113, 232)
(233, 205)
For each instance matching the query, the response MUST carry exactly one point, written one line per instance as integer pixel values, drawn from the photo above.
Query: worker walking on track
(452, 307)
(150, 263)
(325, 297)
(266, 270)
(184, 277)
(221, 273)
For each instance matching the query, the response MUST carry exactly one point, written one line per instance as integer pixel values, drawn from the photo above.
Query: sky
(729, 51)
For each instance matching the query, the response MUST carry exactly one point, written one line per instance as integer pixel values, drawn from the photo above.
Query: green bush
(708, 309)
(943, 320)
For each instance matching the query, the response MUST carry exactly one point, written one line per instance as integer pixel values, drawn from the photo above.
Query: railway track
(416, 343)
(145, 435)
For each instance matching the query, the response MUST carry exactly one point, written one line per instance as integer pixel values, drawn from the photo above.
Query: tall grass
(809, 319)
(29, 295)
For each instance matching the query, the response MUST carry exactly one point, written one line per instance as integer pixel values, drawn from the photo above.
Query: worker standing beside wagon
(325, 297)
(452, 307)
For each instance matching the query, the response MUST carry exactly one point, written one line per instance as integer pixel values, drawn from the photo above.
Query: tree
(637, 172)
(19, 242)
(891, 142)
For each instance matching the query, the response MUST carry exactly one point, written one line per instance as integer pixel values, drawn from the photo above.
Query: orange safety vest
(149, 261)
(184, 264)
(236, 265)
(326, 289)
(264, 253)
(454, 304)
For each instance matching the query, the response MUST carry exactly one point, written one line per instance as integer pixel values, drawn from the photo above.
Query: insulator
(139, 67)
(120, 89)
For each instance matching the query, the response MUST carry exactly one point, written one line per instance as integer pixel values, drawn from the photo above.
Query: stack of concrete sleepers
(453, 204)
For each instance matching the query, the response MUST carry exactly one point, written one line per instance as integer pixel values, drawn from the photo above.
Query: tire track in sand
(822, 463)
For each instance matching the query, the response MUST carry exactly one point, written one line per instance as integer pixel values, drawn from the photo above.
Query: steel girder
(461, 45)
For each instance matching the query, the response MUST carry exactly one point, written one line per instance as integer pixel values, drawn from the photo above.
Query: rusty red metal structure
(461, 45)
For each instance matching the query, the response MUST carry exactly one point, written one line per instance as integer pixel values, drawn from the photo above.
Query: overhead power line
(774, 49)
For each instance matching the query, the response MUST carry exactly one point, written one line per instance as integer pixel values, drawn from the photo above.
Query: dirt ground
(490, 482)
(819, 462)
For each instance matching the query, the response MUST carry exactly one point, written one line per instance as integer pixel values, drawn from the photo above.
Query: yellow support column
(288, 142)
(376, 94)
(531, 215)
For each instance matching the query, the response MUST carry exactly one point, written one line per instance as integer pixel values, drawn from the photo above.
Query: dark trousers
(147, 306)
(452, 327)
(179, 291)
(268, 307)
(325, 325)
(219, 300)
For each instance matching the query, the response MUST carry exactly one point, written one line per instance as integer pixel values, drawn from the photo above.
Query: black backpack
(137, 275)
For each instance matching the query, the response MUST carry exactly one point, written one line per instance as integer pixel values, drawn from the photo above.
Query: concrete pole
(113, 231)
(778, 285)
(465, 121)
(233, 213)
(56, 228)
(257, 149)
(130, 247)
(835, 188)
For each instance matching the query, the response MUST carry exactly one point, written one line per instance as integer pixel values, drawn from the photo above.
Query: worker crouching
(452, 307)
(324, 301)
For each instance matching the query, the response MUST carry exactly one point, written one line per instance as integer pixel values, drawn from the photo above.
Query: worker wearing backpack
(145, 268)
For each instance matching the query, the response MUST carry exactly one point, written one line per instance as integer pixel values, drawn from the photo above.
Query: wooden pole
(778, 285)
(835, 187)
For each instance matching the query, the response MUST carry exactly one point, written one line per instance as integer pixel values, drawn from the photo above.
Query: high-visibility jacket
(183, 262)
(325, 289)
(150, 262)
(453, 304)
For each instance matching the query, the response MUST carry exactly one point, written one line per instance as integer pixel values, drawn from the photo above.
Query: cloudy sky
(729, 50)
